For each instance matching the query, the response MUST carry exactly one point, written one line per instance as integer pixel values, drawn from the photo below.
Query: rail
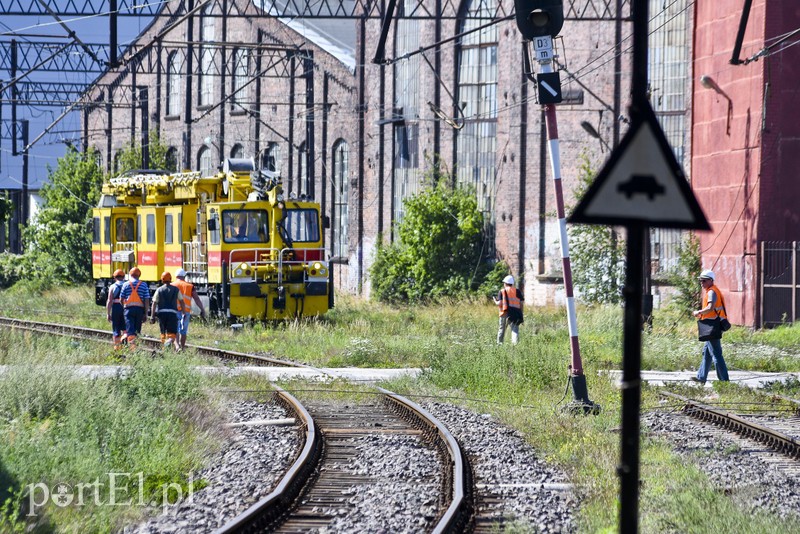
(267, 511)
(149, 343)
(772, 438)
(458, 514)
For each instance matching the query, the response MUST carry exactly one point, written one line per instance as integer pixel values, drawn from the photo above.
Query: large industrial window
(476, 142)
(172, 159)
(271, 158)
(204, 164)
(669, 60)
(240, 75)
(304, 188)
(206, 85)
(406, 165)
(341, 194)
(406, 173)
(173, 84)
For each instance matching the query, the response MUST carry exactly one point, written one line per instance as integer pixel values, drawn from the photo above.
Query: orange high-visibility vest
(134, 299)
(719, 309)
(186, 290)
(507, 300)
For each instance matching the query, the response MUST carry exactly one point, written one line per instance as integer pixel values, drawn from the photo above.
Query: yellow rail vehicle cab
(249, 252)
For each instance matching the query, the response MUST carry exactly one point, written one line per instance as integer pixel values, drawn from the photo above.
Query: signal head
(539, 18)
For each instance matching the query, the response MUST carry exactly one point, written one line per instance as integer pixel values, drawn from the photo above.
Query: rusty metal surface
(772, 438)
(143, 342)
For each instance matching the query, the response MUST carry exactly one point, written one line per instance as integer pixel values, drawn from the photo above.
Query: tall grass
(57, 427)
(524, 385)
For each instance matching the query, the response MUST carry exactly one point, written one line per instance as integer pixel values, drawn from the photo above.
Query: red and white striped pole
(579, 389)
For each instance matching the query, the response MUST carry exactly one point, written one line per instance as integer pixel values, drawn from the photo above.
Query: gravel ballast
(246, 469)
(512, 484)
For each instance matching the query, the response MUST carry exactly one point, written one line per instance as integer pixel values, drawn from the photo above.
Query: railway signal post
(539, 21)
(641, 185)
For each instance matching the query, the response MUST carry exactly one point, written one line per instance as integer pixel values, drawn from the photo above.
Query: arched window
(204, 162)
(302, 171)
(237, 151)
(241, 61)
(476, 142)
(171, 159)
(173, 84)
(341, 194)
(206, 85)
(118, 161)
(406, 105)
(271, 158)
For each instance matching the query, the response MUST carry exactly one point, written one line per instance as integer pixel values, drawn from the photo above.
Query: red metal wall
(745, 164)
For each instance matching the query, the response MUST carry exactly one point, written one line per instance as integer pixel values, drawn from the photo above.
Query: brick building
(746, 155)
(303, 97)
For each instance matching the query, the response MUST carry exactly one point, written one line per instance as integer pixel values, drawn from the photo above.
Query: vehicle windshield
(245, 226)
(302, 225)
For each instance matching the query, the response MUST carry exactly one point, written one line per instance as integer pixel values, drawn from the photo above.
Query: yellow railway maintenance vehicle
(250, 252)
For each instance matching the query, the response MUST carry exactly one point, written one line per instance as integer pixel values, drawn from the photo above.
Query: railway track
(147, 343)
(751, 427)
(318, 490)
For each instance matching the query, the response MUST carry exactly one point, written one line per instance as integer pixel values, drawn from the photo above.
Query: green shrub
(596, 253)
(168, 380)
(438, 251)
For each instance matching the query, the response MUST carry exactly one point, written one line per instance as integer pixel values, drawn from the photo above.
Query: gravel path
(245, 470)
(513, 485)
(754, 477)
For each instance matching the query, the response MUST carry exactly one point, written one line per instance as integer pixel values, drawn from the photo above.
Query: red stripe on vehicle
(147, 258)
(214, 258)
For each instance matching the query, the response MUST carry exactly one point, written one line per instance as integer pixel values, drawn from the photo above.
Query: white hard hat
(509, 280)
(180, 273)
(707, 274)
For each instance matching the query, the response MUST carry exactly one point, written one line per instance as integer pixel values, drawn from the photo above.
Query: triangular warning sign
(641, 184)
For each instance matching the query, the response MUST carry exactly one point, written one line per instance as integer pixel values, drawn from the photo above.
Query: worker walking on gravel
(509, 301)
(168, 303)
(188, 294)
(713, 308)
(135, 297)
(115, 312)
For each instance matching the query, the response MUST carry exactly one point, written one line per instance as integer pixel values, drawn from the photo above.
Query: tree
(60, 237)
(130, 157)
(596, 253)
(438, 248)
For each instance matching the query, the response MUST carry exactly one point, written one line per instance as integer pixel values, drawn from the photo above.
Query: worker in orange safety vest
(509, 302)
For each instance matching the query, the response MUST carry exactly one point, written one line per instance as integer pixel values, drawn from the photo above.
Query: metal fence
(780, 278)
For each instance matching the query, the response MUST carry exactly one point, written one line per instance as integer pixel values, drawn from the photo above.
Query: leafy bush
(596, 254)
(438, 250)
(684, 277)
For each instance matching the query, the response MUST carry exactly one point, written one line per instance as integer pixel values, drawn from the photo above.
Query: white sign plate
(642, 184)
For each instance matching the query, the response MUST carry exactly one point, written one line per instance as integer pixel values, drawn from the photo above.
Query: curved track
(314, 489)
(299, 500)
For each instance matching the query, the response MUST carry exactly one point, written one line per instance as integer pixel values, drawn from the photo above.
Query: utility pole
(539, 21)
